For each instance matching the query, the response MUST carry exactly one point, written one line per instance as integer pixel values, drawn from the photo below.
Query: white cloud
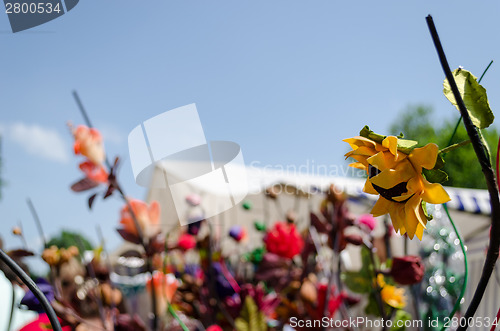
(39, 141)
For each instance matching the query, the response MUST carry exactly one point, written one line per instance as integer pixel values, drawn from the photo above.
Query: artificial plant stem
(378, 297)
(450, 148)
(134, 217)
(110, 269)
(34, 288)
(12, 306)
(497, 318)
(91, 272)
(498, 163)
(466, 272)
(484, 72)
(480, 150)
(37, 221)
(171, 310)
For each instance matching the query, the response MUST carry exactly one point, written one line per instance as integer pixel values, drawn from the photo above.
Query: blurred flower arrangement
(298, 271)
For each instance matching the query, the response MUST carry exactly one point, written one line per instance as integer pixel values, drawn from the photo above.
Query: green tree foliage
(418, 123)
(68, 238)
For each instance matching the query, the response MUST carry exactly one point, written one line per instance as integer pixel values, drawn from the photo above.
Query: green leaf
(435, 175)
(404, 145)
(360, 281)
(372, 306)
(439, 161)
(426, 213)
(402, 316)
(250, 319)
(357, 282)
(474, 96)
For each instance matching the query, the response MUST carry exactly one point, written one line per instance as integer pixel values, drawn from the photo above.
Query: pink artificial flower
(186, 242)
(88, 142)
(368, 221)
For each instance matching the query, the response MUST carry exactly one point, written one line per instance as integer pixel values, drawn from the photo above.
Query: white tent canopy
(470, 208)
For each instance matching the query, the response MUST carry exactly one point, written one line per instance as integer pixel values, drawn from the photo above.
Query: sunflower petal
(396, 211)
(434, 193)
(424, 156)
(369, 188)
(358, 141)
(412, 210)
(391, 177)
(363, 150)
(391, 143)
(381, 207)
(357, 165)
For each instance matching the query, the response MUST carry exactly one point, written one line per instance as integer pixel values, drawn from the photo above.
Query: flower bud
(407, 270)
(17, 231)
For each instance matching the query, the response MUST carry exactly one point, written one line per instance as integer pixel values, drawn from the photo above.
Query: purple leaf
(84, 185)
(109, 191)
(91, 200)
(17, 253)
(129, 236)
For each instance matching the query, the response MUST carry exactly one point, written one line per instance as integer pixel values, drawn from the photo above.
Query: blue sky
(287, 80)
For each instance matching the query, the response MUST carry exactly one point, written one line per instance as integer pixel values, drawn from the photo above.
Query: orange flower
(148, 217)
(97, 173)
(88, 142)
(165, 287)
(391, 295)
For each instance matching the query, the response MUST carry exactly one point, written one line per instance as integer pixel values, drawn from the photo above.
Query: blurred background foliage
(67, 238)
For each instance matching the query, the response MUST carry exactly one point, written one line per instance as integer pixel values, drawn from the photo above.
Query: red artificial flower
(95, 172)
(43, 323)
(407, 270)
(334, 302)
(186, 242)
(284, 240)
(214, 328)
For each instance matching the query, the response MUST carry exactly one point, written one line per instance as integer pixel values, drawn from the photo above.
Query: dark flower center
(389, 193)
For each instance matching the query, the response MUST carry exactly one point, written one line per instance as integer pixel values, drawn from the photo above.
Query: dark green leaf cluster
(67, 239)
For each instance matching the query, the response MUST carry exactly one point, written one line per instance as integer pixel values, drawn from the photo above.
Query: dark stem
(454, 146)
(37, 221)
(34, 288)
(23, 239)
(378, 297)
(110, 269)
(335, 222)
(134, 217)
(91, 272)
(484, 72)
(12, 307)
(480, 150)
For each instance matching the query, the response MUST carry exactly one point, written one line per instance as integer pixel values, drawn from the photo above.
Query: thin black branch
(144, 244)
(37, 221)
(484, 160)
(32, 286)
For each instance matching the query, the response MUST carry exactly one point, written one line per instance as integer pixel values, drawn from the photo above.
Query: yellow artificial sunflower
(391, 295)
(397, 178)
